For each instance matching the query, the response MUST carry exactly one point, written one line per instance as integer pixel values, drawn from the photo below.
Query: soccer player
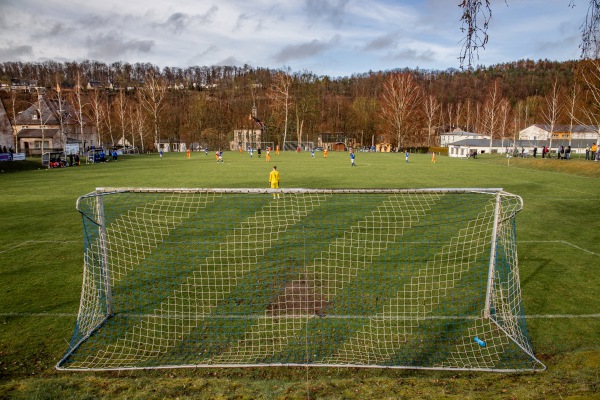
(274, 180)
(188, 153)
(277, 150)
(352, 156)
(433, 157)
(325, 153)
(206, 151)
(312, 152)
(160, 153)
(406, 155)
(268, 157)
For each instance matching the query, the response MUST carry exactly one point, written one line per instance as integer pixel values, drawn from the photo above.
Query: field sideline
(558, 235)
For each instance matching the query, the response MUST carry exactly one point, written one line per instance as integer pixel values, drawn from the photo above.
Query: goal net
(413, 278)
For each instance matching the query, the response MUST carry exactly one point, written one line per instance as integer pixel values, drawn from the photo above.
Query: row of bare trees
(404, 107)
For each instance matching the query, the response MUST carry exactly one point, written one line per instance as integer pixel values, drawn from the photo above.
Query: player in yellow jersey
(274, 180)
(268, 158)
(325, 153)
(277, 150)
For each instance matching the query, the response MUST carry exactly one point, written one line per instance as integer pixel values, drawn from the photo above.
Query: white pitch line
(534, 316)
(551, 316)
(32, 242)
(559, 241)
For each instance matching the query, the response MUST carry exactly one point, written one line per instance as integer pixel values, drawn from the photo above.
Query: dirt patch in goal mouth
(299, 297)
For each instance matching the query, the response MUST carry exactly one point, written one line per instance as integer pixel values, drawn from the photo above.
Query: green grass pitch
(558, 236)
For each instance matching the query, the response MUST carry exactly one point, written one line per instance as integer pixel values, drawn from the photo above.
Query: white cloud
(335, 37)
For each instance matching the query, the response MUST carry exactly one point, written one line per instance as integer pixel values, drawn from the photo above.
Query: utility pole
(41, 123)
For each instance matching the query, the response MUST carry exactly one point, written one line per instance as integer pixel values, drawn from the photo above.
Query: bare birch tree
(400, 101)
(431, 107)
(591, 111)
(152, 96)
(468, 115)
(121, 110)
(61, 112)
(96, 112)
(553, 110)
(78, 101)
(491, 112)
(108, 120)
(504, 110)
(573, 97)
(13, 103)
(280, 96)
(139, 123)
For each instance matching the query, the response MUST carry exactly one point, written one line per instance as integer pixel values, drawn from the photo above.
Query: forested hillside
(404, 106)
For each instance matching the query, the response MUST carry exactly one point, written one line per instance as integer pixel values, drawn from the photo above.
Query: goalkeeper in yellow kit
(274, 180)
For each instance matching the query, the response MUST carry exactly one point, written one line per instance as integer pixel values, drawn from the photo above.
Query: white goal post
(384, 278)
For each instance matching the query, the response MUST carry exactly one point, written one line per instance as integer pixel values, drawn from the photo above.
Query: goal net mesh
(247, 277)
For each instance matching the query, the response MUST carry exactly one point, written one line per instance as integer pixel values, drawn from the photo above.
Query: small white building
(466, 147)
(564, 132)
(170, 146)
(458, 135)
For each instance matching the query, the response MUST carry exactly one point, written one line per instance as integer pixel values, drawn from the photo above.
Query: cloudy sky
(327, 37)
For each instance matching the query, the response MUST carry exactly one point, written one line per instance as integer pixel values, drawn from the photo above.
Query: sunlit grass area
(558, 235)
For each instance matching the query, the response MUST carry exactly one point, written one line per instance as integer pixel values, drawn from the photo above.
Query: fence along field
(549, 301)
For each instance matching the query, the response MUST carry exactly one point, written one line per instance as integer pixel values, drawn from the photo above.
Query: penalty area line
(562, 242)
(33, 242)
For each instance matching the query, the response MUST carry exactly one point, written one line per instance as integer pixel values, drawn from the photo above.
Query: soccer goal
(423, 278)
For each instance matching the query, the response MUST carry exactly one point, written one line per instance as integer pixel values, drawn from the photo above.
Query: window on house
(38, 144)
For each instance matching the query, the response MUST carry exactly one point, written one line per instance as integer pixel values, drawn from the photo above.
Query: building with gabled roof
(457, 135)
(249, 134)
(566, 132)
(49, 124)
